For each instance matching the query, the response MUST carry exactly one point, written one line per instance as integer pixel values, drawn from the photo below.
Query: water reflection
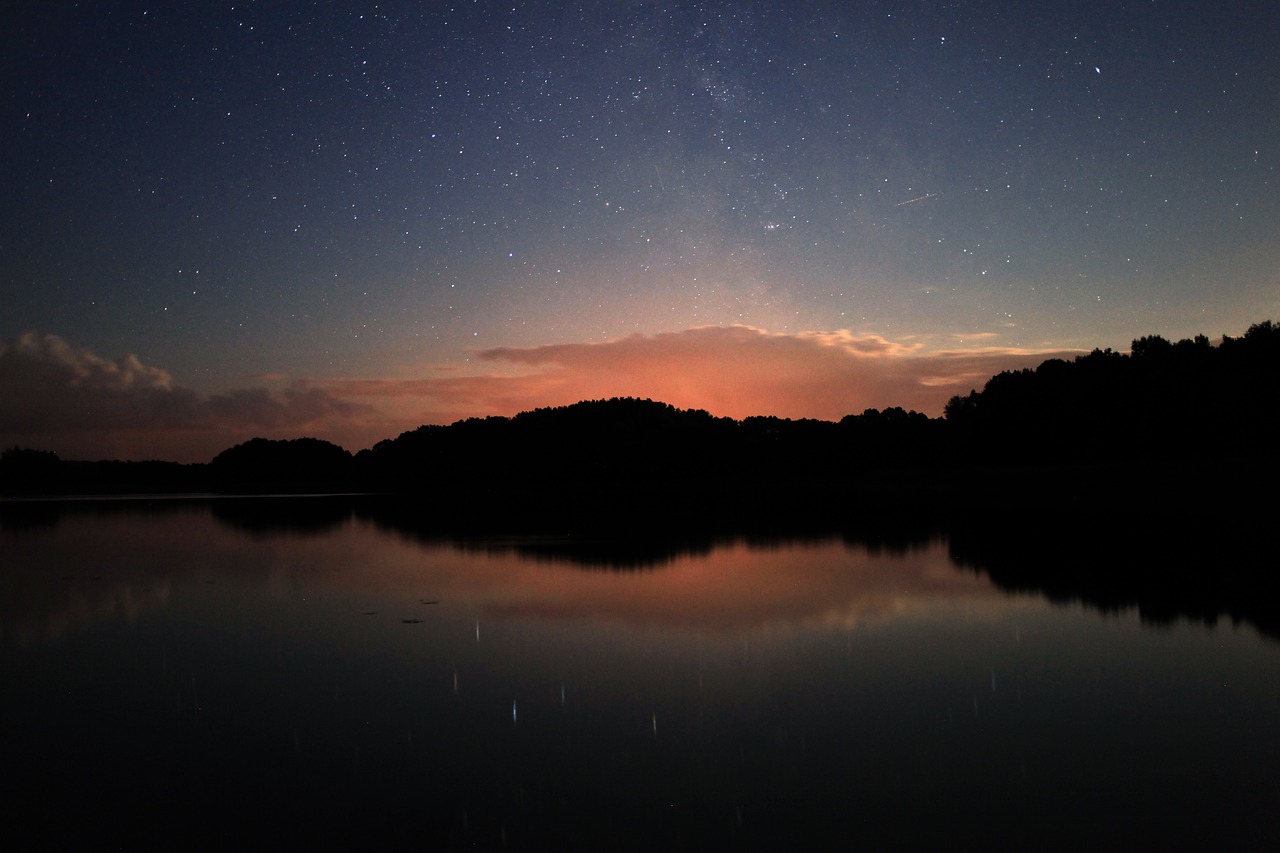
(273, 676)
(1196, 569)
(713, 584)
(717, 581)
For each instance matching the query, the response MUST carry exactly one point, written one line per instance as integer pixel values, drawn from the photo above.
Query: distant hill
(300, 464)
(1181, 400)
(1041, 431)
(638, 441)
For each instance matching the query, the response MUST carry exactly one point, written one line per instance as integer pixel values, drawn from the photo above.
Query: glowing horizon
(133, 410)
(351, 222)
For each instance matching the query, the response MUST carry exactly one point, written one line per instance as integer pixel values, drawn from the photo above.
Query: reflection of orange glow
(735, 587)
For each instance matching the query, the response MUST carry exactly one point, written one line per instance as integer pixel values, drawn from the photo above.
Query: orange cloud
(55, 396)
(734, 371)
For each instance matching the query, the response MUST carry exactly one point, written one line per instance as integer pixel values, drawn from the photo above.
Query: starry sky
(345, 219)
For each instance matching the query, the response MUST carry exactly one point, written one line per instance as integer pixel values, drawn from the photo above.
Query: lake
(304, 673)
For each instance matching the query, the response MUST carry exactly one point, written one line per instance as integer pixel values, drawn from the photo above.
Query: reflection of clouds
(738, 588)
(145, 559)
(99, 564)
(87, 603)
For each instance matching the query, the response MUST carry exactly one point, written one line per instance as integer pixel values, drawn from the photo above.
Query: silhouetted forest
(1160, 422)
(1163, 400)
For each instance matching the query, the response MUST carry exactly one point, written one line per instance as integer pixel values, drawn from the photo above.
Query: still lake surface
(178, 674)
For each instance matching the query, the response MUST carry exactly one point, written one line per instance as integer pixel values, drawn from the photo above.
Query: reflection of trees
(1200, 569)
(619, 554)
(265, 515)
(581, 530)
(1203, 567)
(892, 534)
(481, 528)
(307, 515)
(33, 514)
(29, 515)
(640, 552)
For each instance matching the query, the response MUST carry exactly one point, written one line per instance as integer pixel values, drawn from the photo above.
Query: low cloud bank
(735, 371)
(71, 400)
(56, 396)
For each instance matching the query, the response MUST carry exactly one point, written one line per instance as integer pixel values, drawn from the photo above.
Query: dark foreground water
(185, 677)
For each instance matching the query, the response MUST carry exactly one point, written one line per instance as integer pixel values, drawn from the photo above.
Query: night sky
(346, 219)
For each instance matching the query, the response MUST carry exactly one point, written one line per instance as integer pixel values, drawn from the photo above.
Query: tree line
(1162, 401)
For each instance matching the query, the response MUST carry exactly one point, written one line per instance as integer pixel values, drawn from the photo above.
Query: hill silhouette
(300, 464)
(1188, 399)
(1116, 480)
(1136, 424)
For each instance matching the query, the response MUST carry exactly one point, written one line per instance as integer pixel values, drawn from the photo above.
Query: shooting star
(916, 199)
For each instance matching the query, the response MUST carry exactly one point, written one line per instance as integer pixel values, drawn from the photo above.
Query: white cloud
(73, 401)
(736, 371)
(54, 393)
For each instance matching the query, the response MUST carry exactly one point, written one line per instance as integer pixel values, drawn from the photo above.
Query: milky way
(246, 193)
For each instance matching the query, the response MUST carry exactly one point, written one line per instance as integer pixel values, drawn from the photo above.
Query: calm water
(193, 678)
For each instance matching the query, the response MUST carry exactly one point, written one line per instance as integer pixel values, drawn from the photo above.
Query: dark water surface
(179, 675)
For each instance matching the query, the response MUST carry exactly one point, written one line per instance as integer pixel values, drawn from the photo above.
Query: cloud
(58, 397)
(737, 371)
(50, 389)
